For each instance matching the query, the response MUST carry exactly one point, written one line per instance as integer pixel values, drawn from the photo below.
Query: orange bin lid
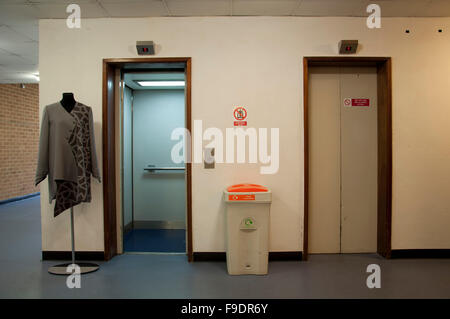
(244, 188)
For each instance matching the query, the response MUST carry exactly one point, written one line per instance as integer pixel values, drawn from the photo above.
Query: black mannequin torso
(68, 101)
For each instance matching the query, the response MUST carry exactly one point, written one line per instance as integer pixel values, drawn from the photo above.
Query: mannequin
(68, 101)
(68, 157)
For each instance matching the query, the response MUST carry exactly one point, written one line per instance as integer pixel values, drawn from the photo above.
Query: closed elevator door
(342, 160)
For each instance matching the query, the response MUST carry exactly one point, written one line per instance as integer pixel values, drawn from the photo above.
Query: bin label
(248, 223)
(241, 197)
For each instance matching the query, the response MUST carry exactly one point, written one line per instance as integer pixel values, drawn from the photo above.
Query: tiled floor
(24, 275)
(155, 240)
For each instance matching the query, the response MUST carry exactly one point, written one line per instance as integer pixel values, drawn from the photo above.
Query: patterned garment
(67, 155)
(69, 194)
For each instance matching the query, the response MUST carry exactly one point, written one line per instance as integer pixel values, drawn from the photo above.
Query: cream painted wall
(257, 62)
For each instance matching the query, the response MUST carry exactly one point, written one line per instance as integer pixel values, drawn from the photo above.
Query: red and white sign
(360, 102)
(240, 114)
(242, 197)
(348, 102)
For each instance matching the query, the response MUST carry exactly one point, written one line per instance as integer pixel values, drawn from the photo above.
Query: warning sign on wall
(349, 102)
(240, 116)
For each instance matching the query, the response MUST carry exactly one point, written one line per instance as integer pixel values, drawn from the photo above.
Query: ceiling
(130, 80)
(19, 19)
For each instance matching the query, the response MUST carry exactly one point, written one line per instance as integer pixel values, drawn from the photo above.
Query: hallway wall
(257, 62)
(19, 139)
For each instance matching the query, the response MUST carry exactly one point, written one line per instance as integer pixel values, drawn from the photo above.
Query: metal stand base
(61, 269)
(85, 268)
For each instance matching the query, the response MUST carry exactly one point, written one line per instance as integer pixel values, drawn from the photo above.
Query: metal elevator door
(343, 160)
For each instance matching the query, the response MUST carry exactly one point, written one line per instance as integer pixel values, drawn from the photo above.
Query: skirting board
(420, 253)
(79, 255)
(15, 199)
(221, 256)
(273, 256)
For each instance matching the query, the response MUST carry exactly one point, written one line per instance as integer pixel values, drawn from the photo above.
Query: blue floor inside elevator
(155, 240)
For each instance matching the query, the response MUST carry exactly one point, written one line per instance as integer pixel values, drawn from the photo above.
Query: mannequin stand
(85, 268)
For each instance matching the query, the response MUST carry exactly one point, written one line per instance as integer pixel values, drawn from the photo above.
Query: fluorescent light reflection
(160, 83)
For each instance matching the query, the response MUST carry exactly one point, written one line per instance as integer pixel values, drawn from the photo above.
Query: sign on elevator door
(349, 102)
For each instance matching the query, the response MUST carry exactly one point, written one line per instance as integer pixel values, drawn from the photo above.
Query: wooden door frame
(384, 181)
(109, 149)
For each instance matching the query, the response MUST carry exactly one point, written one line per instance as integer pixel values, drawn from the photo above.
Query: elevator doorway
(112, 124)
(154, 187)
(347, 155)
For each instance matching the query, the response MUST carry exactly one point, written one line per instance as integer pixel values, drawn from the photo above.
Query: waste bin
(247, 223)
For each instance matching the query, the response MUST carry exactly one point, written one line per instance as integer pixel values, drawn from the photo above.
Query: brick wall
(19, 139)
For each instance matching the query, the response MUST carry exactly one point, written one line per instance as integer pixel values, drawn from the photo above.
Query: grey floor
(24, 275)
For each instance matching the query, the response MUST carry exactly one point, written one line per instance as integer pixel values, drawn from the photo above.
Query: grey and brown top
(67, 154)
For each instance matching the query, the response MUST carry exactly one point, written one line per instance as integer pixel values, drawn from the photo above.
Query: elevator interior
(153, 186)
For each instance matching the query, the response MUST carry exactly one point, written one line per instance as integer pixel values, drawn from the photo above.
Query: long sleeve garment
(67, 155)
